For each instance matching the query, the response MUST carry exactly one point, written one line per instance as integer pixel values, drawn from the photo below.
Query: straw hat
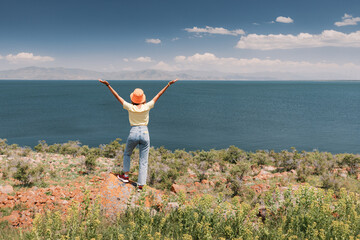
(138, 96)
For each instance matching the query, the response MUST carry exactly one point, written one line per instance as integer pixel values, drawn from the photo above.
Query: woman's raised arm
(112, 91)
(163, 90)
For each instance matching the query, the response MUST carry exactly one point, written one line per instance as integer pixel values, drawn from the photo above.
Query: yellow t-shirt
(139, 116)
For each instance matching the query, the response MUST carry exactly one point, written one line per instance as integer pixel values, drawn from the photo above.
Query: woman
(139, 135)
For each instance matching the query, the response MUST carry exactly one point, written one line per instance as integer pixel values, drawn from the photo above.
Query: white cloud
(206, 61)
(328, 38)
(347, 20)
(143, 59)
(152, 40)
(175, 39)
(29, 57)
(284, 19)
(1, 57)
(216, 30)
(125, 60)
(199, 58)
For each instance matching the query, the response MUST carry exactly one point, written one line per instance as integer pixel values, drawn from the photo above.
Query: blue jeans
(139, 135)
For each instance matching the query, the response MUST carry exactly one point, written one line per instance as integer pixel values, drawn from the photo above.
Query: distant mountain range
(59, 73)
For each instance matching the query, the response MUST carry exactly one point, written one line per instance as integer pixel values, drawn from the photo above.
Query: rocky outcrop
(116, 196)
(7, 189)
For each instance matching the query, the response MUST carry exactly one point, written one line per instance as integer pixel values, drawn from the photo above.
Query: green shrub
(181, 154)
(234, 154)
(330, 181)
(287, 160)
(71, 148)
(41, 147)
(260, 158)
(90, 162)
(112, 149)
(3, 146)
(303, 171)
(28, 174)
(237, 173)
(320, 162)
(84, 150)
(55, 148)
(352, 162)
(205, 156)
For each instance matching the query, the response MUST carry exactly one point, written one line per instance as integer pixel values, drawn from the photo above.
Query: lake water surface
(190, 115)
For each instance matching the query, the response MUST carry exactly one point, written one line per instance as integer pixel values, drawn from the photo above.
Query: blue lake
(190, 115)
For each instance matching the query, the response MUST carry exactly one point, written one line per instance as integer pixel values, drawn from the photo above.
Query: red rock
(191, 172)
(193, 191)
(104, 175)
(30, 203)
(216, 167)
(96, 179)
(176, 188)
(246, 178)
(13, 218)
(23, 199)
(256, 188)
(358, 176)
(223, 180)
(204, 181)
(263, 172)
(283, 189)
(197, 185)
(116, 196)
(41, 200)
(26, 213)
(7, 189)
(3, 198)
(260, 188)
(269, 168)
(25, 221)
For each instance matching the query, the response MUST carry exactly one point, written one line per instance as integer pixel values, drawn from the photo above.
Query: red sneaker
(139, 188)
(122, 178)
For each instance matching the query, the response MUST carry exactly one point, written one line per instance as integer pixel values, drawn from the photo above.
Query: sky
(317, 37)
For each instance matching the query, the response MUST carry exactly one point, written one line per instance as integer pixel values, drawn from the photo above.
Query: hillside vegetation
(51, 192)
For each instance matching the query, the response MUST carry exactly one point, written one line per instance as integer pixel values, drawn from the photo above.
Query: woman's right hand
(104, 82)
(173, 81)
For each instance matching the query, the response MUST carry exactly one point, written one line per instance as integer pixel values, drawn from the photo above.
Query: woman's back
(139, 115)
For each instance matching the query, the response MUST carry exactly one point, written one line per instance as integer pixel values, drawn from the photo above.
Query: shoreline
(182, 149)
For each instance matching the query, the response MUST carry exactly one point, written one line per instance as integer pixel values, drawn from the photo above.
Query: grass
(306, 213)
(326, 208)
